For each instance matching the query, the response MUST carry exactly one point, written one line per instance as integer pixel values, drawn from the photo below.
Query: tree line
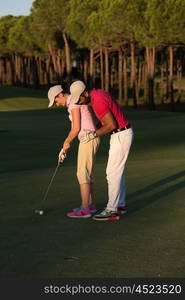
(117, 45)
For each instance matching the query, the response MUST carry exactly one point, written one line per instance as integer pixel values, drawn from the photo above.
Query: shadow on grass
(157, 184)
(144, 201)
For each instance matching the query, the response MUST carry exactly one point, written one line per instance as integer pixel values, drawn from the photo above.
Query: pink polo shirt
(102, 103)
(87, 122)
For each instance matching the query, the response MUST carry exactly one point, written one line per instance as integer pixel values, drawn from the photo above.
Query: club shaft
(48, 188)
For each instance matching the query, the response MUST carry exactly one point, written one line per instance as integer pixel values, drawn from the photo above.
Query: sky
(15, 7)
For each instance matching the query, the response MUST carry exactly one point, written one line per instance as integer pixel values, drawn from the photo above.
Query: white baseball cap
(53, 92)
(76, 89)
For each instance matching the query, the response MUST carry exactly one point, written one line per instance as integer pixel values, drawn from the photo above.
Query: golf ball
(41, 212)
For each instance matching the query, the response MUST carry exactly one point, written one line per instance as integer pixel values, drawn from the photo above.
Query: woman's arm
(75, 128)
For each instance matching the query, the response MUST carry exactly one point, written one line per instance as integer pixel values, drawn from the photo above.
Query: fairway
(148, 242)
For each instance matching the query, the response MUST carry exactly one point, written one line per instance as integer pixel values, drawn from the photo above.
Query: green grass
(148, 242)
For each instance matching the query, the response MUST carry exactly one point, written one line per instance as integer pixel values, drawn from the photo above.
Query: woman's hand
(66, 146)
(61, 156)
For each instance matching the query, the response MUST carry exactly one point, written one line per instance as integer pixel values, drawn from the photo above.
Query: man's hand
(88, 136)
(62, 155)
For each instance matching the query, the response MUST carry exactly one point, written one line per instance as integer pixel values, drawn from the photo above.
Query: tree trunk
(85, 69)
(120, 75)
(145, 82)
(68, 57)
(4, 70)
(35, 73)
(8, 72)
(59, 65)
(1, 70)
(23, 71)
(54, 60)
(179, 78)
(138, 81)
(111, 74)
(48, 65)
(133, 73)
(17, 80)
(162, 79)
(167, 78)
(19, 72)
(91, 69)
(39, 68)
(171, 79)
(102, 68)
(28, 71)
(150, 59)
(125, 80)
(12, 70)
(106, 69)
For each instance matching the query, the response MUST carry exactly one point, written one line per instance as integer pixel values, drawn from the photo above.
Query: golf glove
(61, 156)
(88, 136)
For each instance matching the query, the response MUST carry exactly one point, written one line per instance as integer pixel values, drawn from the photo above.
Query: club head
(39, 212)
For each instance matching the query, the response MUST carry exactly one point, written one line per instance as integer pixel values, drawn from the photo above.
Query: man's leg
(120, 144)
(122, 198)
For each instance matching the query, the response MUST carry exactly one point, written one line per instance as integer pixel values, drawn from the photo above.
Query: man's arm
(109, 124)
(98, 125)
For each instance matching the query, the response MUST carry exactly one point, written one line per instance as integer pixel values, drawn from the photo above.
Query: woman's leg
(85, 165)
(85, 190)
(91, 198)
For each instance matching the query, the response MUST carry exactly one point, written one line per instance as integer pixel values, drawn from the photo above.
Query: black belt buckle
(121, 129)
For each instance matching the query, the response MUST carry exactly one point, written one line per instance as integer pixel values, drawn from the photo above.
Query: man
(113, 122)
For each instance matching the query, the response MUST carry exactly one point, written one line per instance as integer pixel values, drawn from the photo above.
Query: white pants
(120, 144)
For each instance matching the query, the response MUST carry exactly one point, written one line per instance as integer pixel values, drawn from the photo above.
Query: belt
(121, 129)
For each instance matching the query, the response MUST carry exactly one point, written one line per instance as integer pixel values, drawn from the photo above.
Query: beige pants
(86, 160)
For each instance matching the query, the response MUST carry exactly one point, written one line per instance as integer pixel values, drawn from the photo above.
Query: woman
(81, 122)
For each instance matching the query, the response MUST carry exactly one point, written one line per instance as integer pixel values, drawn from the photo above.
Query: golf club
(41, 211)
